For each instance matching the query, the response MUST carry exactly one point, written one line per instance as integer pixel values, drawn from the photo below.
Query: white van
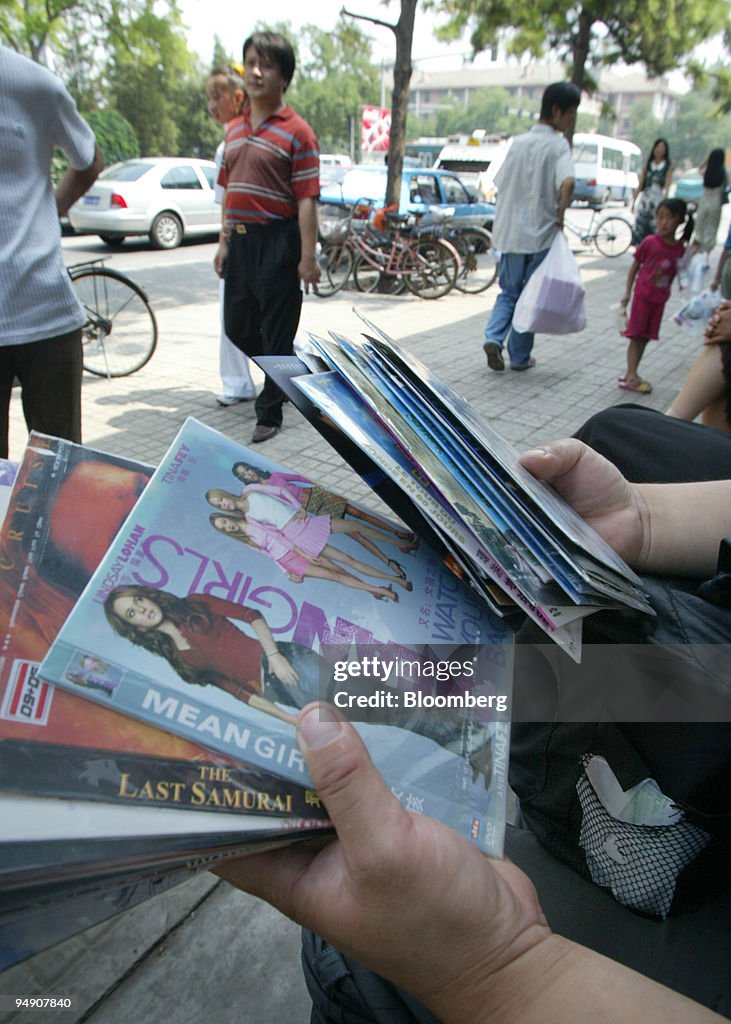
(606, 168)
(476, 165)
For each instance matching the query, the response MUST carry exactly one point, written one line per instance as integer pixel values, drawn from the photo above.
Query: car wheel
(166, 231)
(112, 239)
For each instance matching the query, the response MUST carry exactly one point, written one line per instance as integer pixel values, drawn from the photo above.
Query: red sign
(375, 129)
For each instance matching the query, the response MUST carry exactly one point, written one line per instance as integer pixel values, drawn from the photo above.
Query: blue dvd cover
(237, 592)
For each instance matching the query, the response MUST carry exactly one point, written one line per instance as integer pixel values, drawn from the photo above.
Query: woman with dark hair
(197, 638)
(653, 186)
(301, 551)
(202, 645)
(318, 501)
(708, 216)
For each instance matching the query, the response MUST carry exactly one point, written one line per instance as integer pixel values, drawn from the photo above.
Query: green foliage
(28, 26)
(721, 89)
(334, 77)
(590, 33)
(697, 128)
(492, 109)
(198, 133)
(115, 135)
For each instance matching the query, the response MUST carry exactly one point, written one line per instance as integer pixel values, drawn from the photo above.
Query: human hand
(294, 577)
(309, 272)
(401, 893)
(718, 327)
(219, 260)
(282, 669)
(597, 490)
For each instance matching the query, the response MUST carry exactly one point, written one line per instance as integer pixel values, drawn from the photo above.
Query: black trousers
(263, 300)
(651, 448)
(49, 373)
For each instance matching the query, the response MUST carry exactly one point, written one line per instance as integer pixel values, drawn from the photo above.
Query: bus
(606, 168)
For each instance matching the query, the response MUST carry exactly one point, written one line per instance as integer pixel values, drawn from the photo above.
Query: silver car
(167, 198)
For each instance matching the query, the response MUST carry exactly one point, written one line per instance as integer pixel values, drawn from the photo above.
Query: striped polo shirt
(267, 171)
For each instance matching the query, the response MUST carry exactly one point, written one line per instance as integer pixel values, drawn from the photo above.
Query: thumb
(352, 789)
(552, 460)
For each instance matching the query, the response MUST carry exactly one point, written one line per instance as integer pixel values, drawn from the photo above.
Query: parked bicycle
(120, 333)
(478, 260)
(427, 266)
(612, 234)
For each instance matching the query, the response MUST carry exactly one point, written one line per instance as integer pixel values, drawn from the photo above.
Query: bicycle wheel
(120, 334)
(430, 268)
(336, 263)
(365, 275)
(479, 263)
(613, 236)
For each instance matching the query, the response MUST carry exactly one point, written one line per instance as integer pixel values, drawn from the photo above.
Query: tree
(29, 26)
(333, 80)
(152, 72)
(590, 33)
(492, 109)
(403, 30)
(197, 132)
(115, 135)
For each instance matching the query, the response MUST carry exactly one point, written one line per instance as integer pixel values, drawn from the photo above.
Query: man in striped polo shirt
(266, 252)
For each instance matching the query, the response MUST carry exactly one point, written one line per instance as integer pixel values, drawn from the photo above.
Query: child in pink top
(652, 272)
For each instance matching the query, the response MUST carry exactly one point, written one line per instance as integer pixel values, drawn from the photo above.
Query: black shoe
(494, 355)
(264, 433)
(524, 366)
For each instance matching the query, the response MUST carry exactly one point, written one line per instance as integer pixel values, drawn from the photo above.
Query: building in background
(618, 89)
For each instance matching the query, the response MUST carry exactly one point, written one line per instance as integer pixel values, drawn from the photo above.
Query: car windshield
(126, 172)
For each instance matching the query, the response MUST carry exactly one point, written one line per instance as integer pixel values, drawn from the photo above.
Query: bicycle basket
(333, 223)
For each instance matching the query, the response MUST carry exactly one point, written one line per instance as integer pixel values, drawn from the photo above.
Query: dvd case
(219, 610)
(65, 508)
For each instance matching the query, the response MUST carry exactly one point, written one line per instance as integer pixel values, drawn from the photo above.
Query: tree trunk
(582, 40)
(404, 32)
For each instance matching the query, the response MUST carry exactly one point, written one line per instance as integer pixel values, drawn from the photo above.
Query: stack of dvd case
(442, 467)
(161, 629)
(127, 764)
(98, 812)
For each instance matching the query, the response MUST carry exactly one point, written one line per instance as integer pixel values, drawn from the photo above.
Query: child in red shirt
(653, 268)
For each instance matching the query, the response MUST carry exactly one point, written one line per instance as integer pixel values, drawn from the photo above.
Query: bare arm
(475, 948)
(308, 270)
(719, 269)
(630, 282)
(278, 664)
(74, 184)
(564, 198)
(219, 260)
(262, 704)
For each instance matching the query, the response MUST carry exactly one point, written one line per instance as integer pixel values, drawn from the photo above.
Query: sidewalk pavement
(205, 951)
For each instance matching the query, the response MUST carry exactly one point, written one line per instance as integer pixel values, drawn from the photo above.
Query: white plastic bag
(698, 271)
(697, 311)
(552, 301)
